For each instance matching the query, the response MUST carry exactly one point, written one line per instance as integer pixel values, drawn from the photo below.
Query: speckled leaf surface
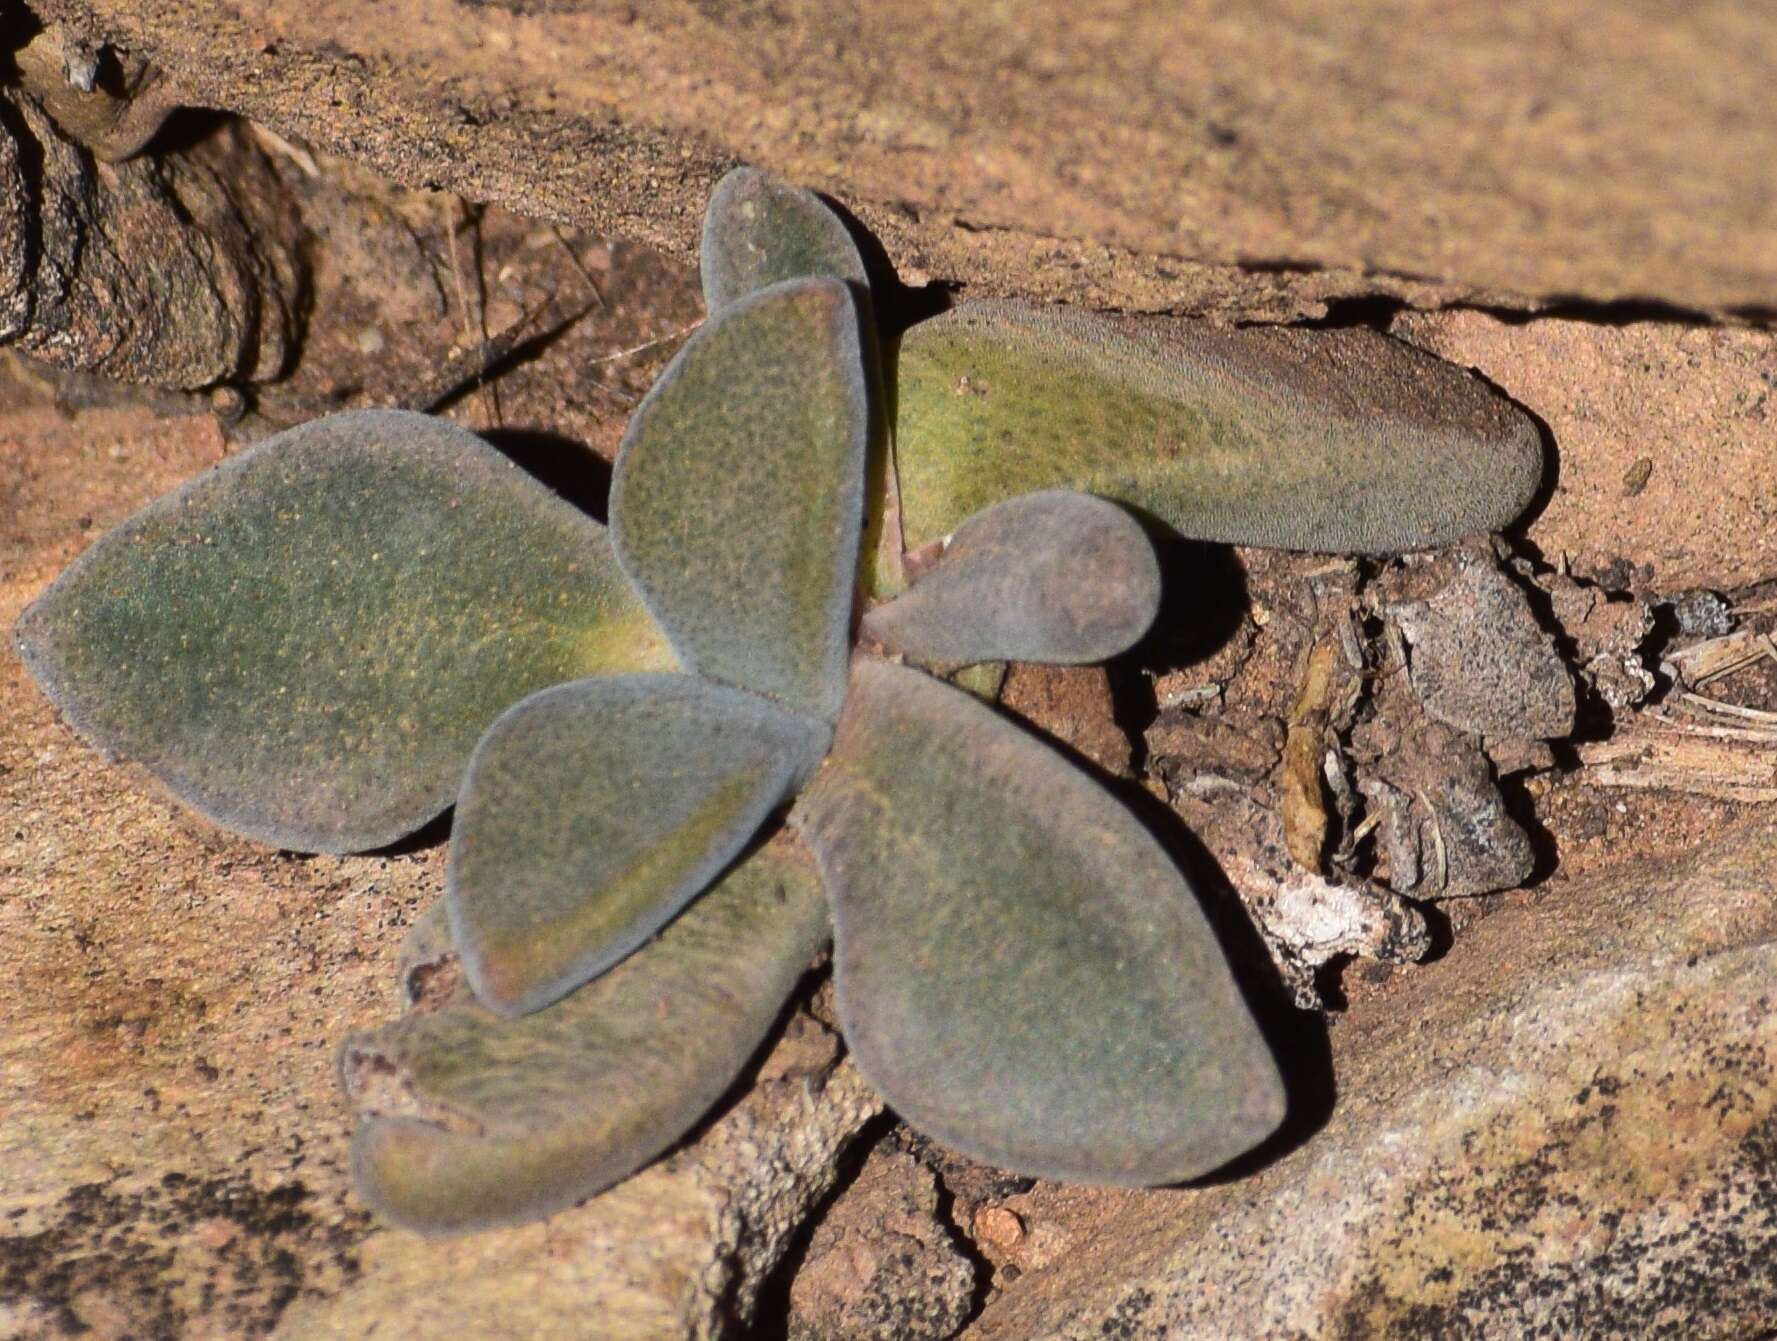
(470, 1120)
(1337, 440)
(1053, 576)
(1020, 969)
(306, 642)
(737, 498)
(594, 811)
(759, 230)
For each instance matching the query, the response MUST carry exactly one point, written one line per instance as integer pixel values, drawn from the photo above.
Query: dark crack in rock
(179, 270)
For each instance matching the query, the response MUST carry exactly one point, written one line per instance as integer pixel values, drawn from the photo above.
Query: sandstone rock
(1695, 403)
(881, 1266)
(1405, 147)
(1567, 1128)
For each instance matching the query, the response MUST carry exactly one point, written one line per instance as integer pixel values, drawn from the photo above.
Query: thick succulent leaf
(306, 642)
(760, 230)
(470, 1120)
(1054, 576)
(1019, 968)
(1337, 440)
(738, 493)
(594, 811)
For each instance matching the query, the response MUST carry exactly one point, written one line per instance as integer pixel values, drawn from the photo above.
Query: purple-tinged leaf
(759, 230)
(1337, 440)
(1019, 967)
(469, 1120)
(738, 494)
(1056, 576)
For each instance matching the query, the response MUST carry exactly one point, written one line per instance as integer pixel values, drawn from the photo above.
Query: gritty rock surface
(1408, 148)
(881, 1266)
(1665, 472)
(1575, 1134)
(176, 271)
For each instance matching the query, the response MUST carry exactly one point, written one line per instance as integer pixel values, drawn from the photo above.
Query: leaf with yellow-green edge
(1055, 576)
(738, 493)
(306, 642)
(759, 230)
(1019, 968)
(1334, 440)
(594, 811)
(469, 1120)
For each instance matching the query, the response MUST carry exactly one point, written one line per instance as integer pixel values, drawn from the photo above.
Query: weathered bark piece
(1575, 148)
(1566, 1128)
(177, 271)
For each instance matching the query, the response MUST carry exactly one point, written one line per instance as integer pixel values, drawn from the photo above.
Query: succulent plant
(331, 638)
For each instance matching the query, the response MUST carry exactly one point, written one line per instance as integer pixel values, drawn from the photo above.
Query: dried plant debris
(1478, 659)
(1342, 441)
(328, 638)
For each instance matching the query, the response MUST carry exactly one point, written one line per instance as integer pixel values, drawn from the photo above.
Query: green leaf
(594, 811)
(306, 642)
(1019, 967)
(1334, 440)
(737, 496)
(1054, 576)
(759, 230)
(468, 1120)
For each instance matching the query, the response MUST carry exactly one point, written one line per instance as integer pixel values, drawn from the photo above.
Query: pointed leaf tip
(737, 500)
(594, 811)
(305, 642)
(1054, 576)
(1019, 967)
(468, 1120)
(760, 230)
(1333, 440)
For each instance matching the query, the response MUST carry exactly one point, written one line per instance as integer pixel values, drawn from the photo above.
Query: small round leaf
(1055, 576)
(759, 230)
